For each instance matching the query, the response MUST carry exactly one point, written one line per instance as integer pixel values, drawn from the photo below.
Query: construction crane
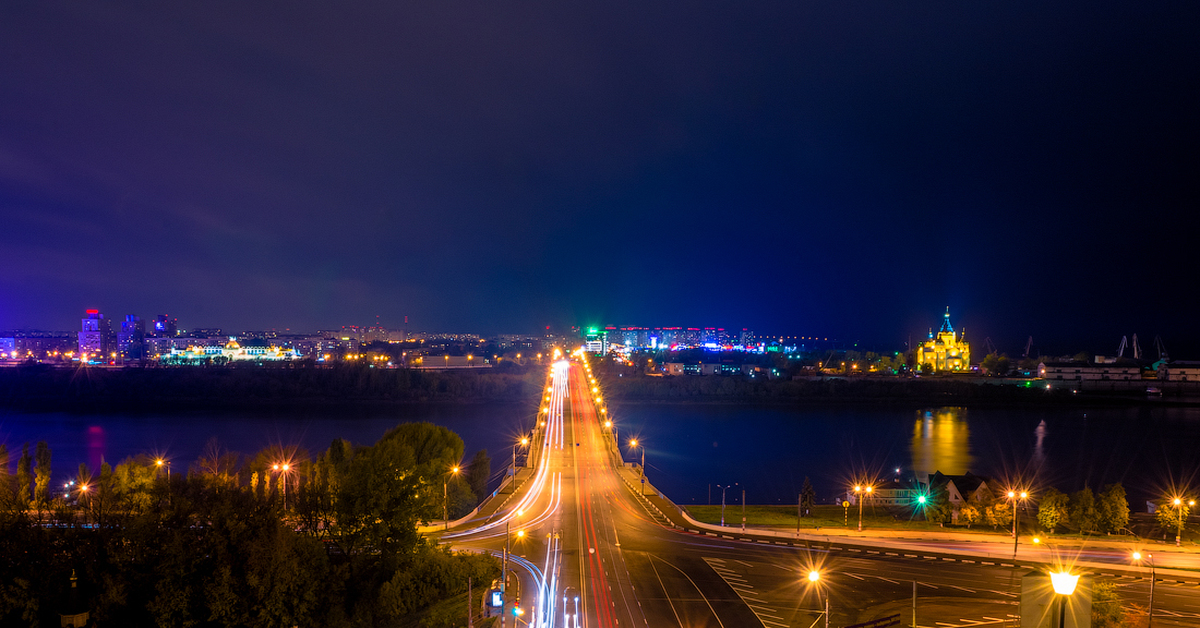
(1137, 348)
(991, 348)
(1028, 346)
(1162, 349)
(1121, 348)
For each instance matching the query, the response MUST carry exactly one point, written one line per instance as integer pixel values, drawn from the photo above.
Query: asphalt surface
(580, 529)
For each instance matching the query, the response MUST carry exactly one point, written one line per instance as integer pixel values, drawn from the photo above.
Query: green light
(921, 500)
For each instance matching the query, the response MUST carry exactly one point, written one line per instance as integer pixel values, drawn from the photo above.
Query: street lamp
(446, 498)
(723, 489)
(1014, 496)
(634, 443)
(1137, 557)
(814, 579)
(860, 493)
(160, 462)
(1064, 585)
(1178, 503)
(283, 469)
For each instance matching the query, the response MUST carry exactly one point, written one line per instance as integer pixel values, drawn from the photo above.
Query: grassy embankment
(837, 518)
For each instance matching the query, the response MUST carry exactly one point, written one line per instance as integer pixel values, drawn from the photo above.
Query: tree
(24, 476)
(996, 364)
(1106, 606)
(1052, 510)
(478, 474)
(41, 493)
(808, 497)
(939, 509)
(969, 513)
(999, 513)
(1082, 511)
(1113, 509)
(1172, 517)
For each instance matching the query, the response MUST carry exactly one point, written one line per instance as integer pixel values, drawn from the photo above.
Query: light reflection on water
(941, 442)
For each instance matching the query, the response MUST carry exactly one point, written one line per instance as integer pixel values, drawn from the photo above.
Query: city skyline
(847, 169)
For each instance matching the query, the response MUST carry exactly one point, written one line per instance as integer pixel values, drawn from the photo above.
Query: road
(579, 530)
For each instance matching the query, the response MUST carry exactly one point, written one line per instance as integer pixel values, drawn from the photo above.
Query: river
(691, 447)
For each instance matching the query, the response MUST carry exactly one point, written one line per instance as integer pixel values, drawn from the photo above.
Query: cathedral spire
(946, 328)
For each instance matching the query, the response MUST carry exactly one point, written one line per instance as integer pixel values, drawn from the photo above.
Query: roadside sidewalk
(1092, 559)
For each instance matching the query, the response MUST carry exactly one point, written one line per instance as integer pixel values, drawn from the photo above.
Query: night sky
(841, 169)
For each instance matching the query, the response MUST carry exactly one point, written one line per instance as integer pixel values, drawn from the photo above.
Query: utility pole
(914, 604)
(470, 620)
(743, 511)
(799, 507)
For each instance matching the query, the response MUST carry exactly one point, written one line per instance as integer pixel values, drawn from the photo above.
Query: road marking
(887, 579)
(852, 575)
(955, 586)
(891, 553)
(987, 563)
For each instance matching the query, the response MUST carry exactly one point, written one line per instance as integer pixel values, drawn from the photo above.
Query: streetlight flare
(814, 576)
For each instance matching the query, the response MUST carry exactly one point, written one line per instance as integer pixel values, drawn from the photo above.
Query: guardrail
(882, 622)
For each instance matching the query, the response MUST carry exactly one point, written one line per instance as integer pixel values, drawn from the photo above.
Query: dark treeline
(325, 541)
(37, 387)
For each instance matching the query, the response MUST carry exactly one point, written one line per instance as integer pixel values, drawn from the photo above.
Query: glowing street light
(160, 463)
(1014, 496)
(860, 493)
(814, 579)
(1064, 585)
(446, 498)
(282, 469)
(633, 443)
(1178, 503)
(1137, 558)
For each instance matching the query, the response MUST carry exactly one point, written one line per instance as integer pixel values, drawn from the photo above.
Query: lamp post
(814, 578)
(1178, 503)
(860, 493)
(723, 489)
(1013, 495)
(1137, 557)
(283, 470)
(160, 463)
(634, 443)
(1064, 585)
(446, 498)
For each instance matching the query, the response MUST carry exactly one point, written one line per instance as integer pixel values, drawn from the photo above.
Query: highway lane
(588, 534)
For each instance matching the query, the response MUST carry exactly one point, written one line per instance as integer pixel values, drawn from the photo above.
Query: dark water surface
(767, 450)
(76, 438)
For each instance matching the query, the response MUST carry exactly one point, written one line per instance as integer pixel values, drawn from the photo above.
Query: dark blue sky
(836, 168)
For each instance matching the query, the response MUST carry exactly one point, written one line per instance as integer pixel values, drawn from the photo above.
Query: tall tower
(96, 340)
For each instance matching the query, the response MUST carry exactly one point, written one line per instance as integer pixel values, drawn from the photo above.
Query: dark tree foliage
(808, 496)
(479, 471)
(207, 549)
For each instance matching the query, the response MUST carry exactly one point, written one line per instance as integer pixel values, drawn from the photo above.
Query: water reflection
(1039, 454)
(940, 442)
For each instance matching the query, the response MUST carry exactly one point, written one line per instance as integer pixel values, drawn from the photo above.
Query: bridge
(588, 542)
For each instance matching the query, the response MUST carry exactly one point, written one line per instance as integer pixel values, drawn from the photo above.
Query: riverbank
(932, 391)
(133, 390)
(39, 388)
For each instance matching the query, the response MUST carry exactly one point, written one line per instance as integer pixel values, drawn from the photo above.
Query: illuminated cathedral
(947, 351)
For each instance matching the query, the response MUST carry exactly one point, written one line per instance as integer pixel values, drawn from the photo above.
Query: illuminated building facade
(231, 351)
(96, 338)
(947, 351)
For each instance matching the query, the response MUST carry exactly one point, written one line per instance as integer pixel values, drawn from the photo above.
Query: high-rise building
(131, 341)
(165, 326)
(96, 341)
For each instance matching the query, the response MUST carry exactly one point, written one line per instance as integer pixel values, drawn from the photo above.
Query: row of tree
(218, 545)
(1084, 510)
